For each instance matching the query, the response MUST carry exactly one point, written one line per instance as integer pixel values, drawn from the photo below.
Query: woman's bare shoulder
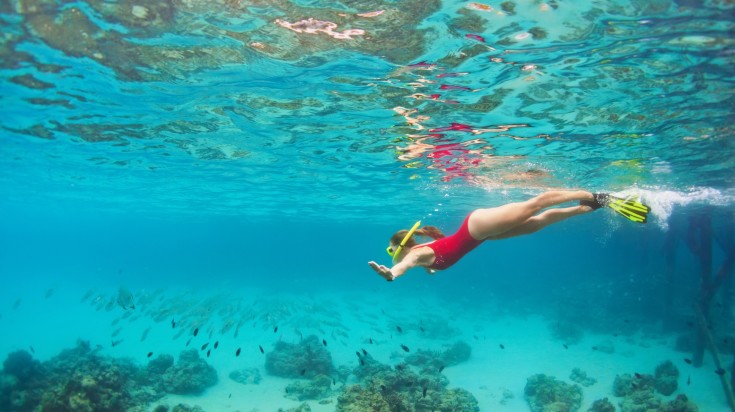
(423, 255)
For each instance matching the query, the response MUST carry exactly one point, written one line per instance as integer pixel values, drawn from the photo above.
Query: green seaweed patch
(538, 33)
(454, 59)
(468, 21)
(488, 102)
(508, 7)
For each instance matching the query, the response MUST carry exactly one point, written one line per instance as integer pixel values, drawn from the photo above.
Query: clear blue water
(224, 149)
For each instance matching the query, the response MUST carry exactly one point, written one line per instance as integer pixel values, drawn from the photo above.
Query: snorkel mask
(394, 253)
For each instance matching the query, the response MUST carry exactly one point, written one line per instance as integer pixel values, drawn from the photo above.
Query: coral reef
(306, 359)
(667, 376)
(315, 388)
(457, 353)
(601, 405)
(304, 407)
(580, 377)
(20, 364)
(191, 375)
(638, 391)
(626, 384)
(248, 376)
(75, 380)
(160, 364)
(680, 404)
(382, 388)
(546, 394)
(79, 379)
(182, 407)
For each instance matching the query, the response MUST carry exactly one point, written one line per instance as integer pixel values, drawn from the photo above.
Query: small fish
(275, 330)
(382, 387)
(689, 361)
(371, 341)
(689, 380)
(196, 331)
(208, 352)
(398, 328)
(87, 295)
(424, 392)
(324, 342)
(150, 354)
(362, 362)
(145, 334)
(303, 371)
(405, 348)
(334, 381)
(216, 344)
(475, 37)
(720, 371)
(565, 346)
(364, 352)
(33, 351)
(237, 352)
(286, 389)
(422, 329)
(125, 298)
(173, 323)
(441, 368)
(188, 342)
(229, 397)
(475, 336)
(261, 349)
(205, 346)
(638, 375)
(358, 353)
(502, 346)
(50, 292)
(594, 348)
(116, 342)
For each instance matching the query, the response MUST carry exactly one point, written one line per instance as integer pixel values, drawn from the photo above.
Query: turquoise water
(234, 163)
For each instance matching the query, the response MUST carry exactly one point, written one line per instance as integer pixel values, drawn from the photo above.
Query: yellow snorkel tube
(395, 253)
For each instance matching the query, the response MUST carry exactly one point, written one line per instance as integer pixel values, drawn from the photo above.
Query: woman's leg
(540, 221)
(488, 223)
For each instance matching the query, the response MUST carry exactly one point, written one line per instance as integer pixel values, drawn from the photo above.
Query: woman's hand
(383, 271)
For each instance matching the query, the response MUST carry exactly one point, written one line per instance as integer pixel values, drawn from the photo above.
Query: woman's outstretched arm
(399, 269)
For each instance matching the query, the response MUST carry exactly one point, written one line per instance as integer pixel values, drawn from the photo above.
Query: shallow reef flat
(401, 360)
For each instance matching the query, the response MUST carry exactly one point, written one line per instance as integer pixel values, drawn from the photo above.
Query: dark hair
(428, 231)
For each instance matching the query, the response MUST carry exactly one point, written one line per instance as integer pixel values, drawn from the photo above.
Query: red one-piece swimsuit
(450, 249)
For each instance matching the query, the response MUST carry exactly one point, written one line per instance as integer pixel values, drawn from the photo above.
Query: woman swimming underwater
(502, 222)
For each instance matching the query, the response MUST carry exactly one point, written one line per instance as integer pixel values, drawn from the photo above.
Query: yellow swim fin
(630, 207)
